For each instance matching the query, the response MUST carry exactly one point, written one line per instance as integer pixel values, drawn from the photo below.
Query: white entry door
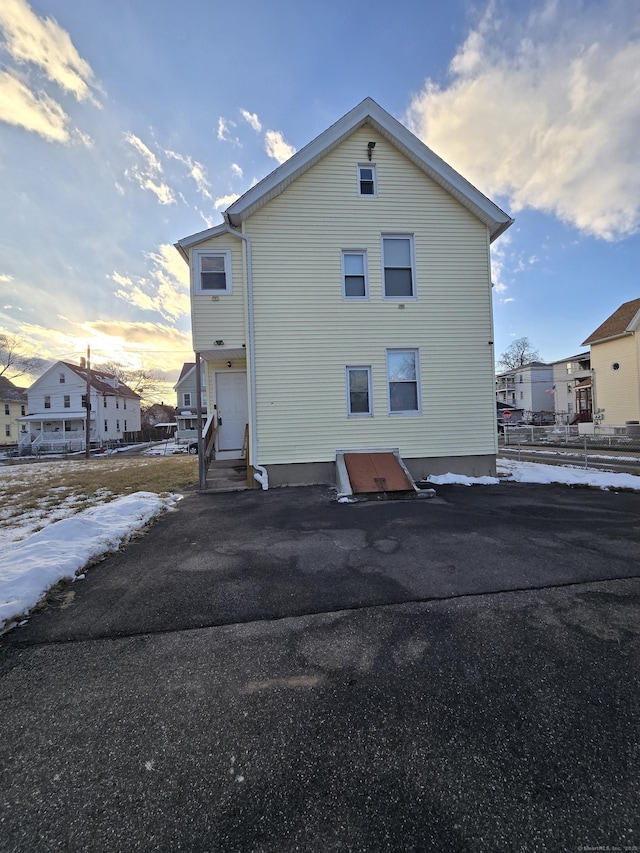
(233, 413)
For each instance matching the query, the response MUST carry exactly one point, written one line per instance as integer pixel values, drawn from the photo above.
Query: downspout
(261, 476)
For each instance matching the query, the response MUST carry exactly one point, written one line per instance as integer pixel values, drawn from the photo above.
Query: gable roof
(10, 392)
(187, 367)
(366, 112)
(101, 381)
(623, 321)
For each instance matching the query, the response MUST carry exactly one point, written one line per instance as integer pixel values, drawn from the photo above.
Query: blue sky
(128, 124)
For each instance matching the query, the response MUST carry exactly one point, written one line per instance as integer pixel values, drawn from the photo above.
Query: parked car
(193, 447)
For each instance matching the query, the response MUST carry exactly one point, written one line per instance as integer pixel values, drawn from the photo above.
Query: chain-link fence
(606, 448)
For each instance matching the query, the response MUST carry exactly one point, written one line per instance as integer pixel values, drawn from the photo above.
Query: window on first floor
(403, 381)
(106, 426)
(359, 397)
(124, 426)
(117, 426)
(569, 408)
(47, 401)
(398, 266)
(212, 273)
(354, 274)
(7, 430)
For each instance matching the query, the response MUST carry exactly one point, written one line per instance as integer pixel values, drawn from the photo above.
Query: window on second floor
(47, 401)
(354, 274)
(23, 410)
(397, 262)
(359, 391)
(67, 401)
(186, 399)
(7, 409)
(212, 272)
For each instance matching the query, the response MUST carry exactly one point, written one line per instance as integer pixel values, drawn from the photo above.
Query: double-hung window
(398, 265)
(187, 399)
(403, 372)
(7, 409)
(367, 179)
(212, 271)
(359, 397)
(67, 401)
(355, 283)
(47, 401)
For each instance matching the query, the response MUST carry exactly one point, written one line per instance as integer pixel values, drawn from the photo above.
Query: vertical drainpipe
(262, 477)
(202, 468)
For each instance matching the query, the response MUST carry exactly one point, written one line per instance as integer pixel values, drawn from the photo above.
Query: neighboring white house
(615, 364)
(187, 402)
(530, 388)
(13, 404)
(572, 389)
(56, 418)
(345, 304)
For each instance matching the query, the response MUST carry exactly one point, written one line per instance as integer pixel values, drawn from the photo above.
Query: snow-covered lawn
(62, 533)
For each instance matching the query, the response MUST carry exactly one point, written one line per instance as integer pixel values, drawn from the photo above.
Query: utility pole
(87, 433)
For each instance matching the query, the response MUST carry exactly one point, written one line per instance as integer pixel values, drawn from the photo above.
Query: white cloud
(6, 277)
(237, 170)
(276, 147)
(165, 291)
(224, 201)
(224, 131)
(147, 171)
(252, 119)
(43, 43)
(34, 111)
(545, 110)
(196, 171)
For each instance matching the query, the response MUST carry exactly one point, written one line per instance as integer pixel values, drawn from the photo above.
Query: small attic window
(63, 378)
(367, 179)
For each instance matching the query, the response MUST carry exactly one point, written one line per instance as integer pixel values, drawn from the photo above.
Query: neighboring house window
(569, 389)
(117, 426)
(117, 403)
(187, 399)
(47, 401)
(359, 395)
(106, 426)
(354, 275)
(62, 379)
(569, 366)
(397, 261)
(125, 426)
(522, 395)
(213, 272)
(124, 403)
(67, 401)
(520, 379)
(7, 430)
(23, 411)
(569, 408)
(367, 182)
(104, 402)
(402, 377)
(7, 410)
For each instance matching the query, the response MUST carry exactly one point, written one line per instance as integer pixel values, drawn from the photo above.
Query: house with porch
(13, 404)
(615, 368)
(187, 403)
(528, 388)
(344, 304)
(572, 389)
(57, 410)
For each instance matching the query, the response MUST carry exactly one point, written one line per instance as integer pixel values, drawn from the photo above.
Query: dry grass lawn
(34, 494)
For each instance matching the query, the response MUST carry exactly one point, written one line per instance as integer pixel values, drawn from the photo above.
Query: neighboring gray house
(572, 389)
(187, 403)
(57, 413)
(530, 388)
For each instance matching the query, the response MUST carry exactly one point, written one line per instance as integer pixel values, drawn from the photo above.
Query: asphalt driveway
(278, 672)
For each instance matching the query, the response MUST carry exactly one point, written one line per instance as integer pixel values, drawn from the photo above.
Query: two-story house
(57, 409)
(615, 365)
(528, 388)
(345, 305)
(187, 402)
(13, 404)
(572, 389)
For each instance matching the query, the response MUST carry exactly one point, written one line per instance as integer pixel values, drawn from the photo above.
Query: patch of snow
(535, 472)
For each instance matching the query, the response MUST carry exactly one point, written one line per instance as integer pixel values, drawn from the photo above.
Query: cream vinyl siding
(212, 367)
(306, 334)
(617, 391)
(219, 316)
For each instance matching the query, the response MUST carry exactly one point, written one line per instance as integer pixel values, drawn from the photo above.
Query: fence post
(586, 455)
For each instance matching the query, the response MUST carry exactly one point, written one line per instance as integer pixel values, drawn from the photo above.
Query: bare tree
(519, 352)
(143, 380)
(15, 360)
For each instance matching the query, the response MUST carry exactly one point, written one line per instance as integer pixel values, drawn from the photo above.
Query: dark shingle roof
(10, 392)
(104, 383)
(616, 324)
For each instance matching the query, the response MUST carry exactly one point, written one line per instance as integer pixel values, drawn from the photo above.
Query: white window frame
(367, 368)
(62, 378)
(374, 172)
(412, 258)
(405, 412)
(198, 254)
(66, 401)
(186, 398)
(365, 264)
